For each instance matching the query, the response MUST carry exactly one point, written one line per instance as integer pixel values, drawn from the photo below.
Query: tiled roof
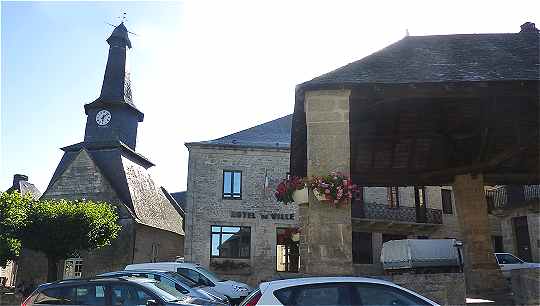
(443, 58)
(272, 134)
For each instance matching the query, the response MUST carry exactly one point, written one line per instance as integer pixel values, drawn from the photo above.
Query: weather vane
(124, 19)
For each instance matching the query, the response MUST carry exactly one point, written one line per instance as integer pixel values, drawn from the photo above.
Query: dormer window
(232, 184)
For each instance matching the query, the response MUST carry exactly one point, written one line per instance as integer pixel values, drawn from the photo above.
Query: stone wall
(205, 206)
(526, 286)
(152, 244)
(443, 288)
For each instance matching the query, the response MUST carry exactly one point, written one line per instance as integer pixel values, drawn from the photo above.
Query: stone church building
(106, 167)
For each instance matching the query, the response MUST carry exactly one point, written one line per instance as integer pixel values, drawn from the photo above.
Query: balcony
(403, 219)
(512, 196)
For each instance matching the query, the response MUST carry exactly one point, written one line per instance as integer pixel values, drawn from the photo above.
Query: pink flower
(327, 191)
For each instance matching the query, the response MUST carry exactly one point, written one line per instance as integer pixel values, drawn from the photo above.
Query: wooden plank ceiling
(428, 140)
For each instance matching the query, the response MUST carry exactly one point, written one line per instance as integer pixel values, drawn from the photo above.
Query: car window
(182, 279)
(125, 295)
(194, 276)
(507, 259)
(378, 294)
(54, 296)
(315, 294)
(167, 282)
(73, 295)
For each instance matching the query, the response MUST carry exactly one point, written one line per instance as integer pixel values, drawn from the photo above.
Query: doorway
(523, 241)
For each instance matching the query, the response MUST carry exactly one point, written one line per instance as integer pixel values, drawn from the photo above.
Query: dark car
(116, 291)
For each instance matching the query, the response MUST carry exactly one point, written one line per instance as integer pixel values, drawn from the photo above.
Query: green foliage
(60, 228)
(13, 212)
(10, 249)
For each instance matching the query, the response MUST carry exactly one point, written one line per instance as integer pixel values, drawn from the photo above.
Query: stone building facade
(106, 167)
(261, 155)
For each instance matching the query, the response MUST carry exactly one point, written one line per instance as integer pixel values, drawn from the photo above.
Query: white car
(234, 291)
(508, 262)
(333, 291)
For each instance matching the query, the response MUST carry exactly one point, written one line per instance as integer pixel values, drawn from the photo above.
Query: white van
(235, 291)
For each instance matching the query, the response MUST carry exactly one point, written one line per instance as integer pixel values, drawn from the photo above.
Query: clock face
(103, 117)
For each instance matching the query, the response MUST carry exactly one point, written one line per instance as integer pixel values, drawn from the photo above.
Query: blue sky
(200, 69)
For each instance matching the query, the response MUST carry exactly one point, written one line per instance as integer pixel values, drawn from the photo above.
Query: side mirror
(152, 303)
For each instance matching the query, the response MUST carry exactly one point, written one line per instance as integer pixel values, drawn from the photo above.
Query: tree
(61, 228)
(13, 219)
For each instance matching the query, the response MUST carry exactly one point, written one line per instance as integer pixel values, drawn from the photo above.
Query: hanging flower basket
(333, 188)
(300, 196)
(288, 187)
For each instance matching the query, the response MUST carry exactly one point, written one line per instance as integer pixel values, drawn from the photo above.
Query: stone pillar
(326, 229)
(482, 273)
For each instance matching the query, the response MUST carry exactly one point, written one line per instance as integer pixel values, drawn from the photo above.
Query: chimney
(17, 178)
(528, 27)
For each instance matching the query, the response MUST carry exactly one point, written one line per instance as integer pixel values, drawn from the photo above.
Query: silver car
(174, 279)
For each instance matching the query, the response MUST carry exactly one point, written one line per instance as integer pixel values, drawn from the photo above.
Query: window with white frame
(73, 268)
(232, 184)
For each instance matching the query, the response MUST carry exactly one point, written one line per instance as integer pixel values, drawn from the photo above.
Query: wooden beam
(478, 167)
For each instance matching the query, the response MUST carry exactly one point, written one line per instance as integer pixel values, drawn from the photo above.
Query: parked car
(121, 291)
(234, 291)
(421, 255)
(181, 283)
(508, 262)
(333, 291)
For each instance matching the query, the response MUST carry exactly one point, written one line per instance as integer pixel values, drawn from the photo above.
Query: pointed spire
(116, 88)
(120, 37)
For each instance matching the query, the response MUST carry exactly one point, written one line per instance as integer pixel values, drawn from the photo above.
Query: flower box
(300, 196)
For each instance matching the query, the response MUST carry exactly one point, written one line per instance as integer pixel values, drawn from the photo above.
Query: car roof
(319, 280)
(174, 263)
(138, 271)
(107, 279)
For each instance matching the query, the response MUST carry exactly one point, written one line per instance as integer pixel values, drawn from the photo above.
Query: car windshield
(165, 291)
(213, 277)
(507, 259)
(182, 279)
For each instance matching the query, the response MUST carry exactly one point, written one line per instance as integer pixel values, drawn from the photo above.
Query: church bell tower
(113, 117)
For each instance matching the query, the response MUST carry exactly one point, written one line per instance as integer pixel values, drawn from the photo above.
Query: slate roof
(25, 187)
(272, 134)
(180, 198)
(180, 207)
(443, 58)
(127, 173)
